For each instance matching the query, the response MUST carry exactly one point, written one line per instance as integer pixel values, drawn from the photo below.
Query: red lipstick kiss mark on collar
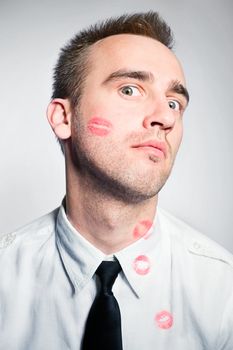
(99, 126)
(142, 265)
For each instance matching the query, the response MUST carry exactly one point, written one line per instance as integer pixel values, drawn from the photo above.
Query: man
(118, 101)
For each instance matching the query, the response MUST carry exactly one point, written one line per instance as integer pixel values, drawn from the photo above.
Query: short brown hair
(72, 66)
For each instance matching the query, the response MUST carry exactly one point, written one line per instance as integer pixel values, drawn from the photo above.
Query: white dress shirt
(175, 290)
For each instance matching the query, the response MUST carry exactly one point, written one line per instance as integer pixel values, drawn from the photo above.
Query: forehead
(135, 52)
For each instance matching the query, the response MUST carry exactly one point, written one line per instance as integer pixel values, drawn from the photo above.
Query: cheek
(99, 126)
(174, 138)
(180, 133)
(179, 138)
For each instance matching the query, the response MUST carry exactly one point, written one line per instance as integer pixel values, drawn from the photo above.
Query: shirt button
(197, 246)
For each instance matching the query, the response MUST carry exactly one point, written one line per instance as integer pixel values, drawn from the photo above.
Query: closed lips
(160, 146)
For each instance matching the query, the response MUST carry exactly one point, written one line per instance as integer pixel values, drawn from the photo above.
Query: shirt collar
(81, 258)
(143, 261)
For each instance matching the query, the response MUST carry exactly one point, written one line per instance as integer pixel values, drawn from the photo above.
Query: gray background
(32, 168)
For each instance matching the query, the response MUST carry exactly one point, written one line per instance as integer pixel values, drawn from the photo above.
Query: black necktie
(103, 327)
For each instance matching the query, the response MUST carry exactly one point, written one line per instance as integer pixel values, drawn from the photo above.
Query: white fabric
(175, 290)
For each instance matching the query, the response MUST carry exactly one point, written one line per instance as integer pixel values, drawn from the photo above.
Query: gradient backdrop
(32, 168)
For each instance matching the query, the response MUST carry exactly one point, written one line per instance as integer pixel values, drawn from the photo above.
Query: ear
(59, 117)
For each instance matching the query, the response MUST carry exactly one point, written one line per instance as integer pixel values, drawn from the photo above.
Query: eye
(173, 104)
(130, 90)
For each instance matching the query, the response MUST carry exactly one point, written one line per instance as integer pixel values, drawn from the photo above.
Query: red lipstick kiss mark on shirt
(142, 265)
(142, 229)
(164, 320)
(99, 126)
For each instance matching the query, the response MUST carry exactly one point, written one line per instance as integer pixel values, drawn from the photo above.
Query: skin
(111, 184)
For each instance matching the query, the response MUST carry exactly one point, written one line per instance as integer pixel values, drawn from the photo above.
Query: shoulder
(203, 274)
(36, 231)
(193, 241)
(26, 258)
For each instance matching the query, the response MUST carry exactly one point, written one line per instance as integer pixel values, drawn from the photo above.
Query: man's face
(128, 126)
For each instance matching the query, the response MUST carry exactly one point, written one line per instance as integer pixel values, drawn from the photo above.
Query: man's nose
(160, 115)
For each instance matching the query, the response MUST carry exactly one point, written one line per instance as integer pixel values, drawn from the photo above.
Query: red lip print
(99, 126)
(164, 320)
(142, 265)
(142, 228)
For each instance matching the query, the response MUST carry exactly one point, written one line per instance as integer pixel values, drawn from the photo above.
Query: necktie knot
(107, 272)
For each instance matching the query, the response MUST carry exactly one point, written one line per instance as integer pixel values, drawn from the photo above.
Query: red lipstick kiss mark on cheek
(142, 229)
(142, 265)
(99, 126)
(164, 320)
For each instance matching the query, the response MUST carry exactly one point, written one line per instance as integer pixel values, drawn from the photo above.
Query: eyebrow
(139, 75)
(175, 85)
(179, 88)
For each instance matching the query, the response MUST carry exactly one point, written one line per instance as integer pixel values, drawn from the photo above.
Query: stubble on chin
(128, 188)
(112, 178)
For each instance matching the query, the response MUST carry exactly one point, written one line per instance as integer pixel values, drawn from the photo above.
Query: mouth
(154, 147)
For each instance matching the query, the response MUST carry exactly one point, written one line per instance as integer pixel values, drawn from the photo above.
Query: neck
(108, 223)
